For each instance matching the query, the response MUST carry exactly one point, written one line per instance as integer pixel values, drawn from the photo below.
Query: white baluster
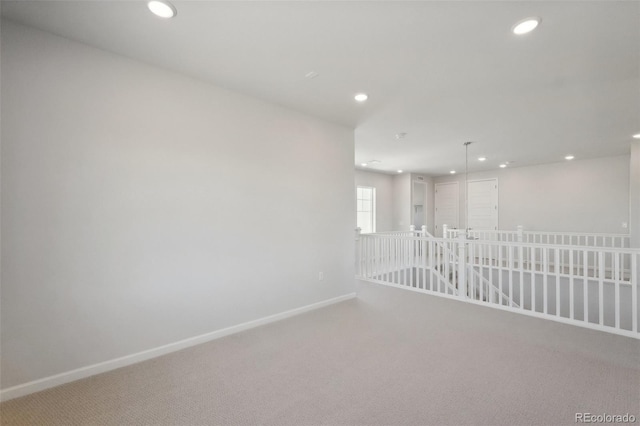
(358, 252)
(462, 266)
(616, 277)
(635, 270)
(601, 286)
(557, 271)
(571, 279)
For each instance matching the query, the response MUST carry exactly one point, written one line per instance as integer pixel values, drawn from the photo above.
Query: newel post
(462, 265)
(520, 230)
(412, 228)
(444, 231)
(424, 230)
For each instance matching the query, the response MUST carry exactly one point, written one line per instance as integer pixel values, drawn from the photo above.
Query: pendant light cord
(466, 184)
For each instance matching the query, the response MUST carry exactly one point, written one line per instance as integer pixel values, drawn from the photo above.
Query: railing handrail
(590, 234)
(628, 250)
(572, 233)
(390, 233)
(511, 232)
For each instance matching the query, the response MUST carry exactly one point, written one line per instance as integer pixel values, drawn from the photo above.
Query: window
(366, 209)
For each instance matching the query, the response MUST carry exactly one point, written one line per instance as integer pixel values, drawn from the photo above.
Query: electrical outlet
(320, 276)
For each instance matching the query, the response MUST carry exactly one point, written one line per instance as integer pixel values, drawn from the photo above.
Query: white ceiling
(442, 72)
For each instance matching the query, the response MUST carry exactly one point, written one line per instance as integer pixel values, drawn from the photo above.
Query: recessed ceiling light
(569, 157)
(364, 164)
(162, 9)
(636, 136)
(526, 26)
(399, 171)
(453, 172)
(361, 97)
(502, 166)
(482, 158)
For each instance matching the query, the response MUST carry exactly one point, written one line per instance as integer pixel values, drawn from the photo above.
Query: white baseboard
(91, 370)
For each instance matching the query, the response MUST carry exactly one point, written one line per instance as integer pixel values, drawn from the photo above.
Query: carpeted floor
(390, 357)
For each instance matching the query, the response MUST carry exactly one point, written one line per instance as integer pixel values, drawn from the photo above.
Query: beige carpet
(390, 357)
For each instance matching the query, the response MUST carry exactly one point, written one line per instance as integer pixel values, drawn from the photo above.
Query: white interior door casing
(483, 204)
(447, 202)
(418, 204)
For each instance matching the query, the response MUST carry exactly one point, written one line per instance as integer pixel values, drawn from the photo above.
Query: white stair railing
(594, 287)
(400, 258)
(585, 239)
(480, 287)
(621, 241)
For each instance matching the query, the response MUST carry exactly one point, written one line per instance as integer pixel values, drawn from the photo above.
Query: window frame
(371, 204)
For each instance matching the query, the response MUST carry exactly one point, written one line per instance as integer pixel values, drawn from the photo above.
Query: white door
(483, 204)
(446, 204)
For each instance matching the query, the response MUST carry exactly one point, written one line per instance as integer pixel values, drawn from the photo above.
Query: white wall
(394, 198)
(383, 184)
(634, 194)
(574, 196)
(401, 202)
(141, 207)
